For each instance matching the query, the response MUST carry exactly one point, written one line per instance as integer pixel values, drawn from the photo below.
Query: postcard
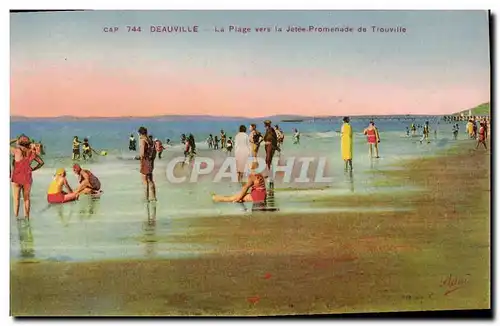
(249, 163)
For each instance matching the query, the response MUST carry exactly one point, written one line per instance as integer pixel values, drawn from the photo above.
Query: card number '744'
(133, 28)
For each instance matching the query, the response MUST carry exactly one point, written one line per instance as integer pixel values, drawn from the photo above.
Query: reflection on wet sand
(150, 240)
(374, 164)
(89, 207)
(65, 214)
(26, 239)
(350, 180)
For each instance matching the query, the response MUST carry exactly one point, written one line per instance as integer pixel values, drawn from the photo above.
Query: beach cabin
(465, 117)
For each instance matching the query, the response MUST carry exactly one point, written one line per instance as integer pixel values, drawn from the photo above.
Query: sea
(120, 225)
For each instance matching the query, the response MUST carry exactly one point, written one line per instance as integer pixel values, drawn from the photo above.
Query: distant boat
(292, 120)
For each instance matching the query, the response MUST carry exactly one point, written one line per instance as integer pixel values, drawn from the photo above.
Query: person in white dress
(242, 151)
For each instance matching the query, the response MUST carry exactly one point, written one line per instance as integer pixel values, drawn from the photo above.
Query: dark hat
(23, 140)
(77, 167)
(267, 122)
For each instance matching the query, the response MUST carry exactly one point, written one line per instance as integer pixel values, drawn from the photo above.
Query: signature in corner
(452, 283)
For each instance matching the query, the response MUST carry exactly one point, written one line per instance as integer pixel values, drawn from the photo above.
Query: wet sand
(435, 256)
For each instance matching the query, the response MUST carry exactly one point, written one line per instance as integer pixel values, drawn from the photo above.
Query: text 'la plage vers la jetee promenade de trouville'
(237, 29)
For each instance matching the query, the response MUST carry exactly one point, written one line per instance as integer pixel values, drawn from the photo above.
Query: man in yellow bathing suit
(346, 143)
(55, 193)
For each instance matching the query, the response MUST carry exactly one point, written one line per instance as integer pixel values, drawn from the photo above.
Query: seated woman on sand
(55, 193)
(257, 194)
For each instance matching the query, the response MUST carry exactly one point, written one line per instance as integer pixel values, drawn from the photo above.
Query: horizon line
(241, 117)
(227, 117)
(220, 117)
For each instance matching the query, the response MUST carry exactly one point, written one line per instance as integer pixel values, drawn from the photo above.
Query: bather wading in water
(21, 174)
(373, 139)
(346, 143)
(147, 155)
(257, 194)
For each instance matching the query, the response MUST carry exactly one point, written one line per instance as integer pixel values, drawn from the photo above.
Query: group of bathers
(88, 184)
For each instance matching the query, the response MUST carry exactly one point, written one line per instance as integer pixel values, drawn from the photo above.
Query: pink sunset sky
(70, 79)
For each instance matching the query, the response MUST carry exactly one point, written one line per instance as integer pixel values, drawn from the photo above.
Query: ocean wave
(326, 134)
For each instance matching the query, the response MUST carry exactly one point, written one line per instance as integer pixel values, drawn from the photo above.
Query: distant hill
(481, 109)
(160, 118)
(274, 118)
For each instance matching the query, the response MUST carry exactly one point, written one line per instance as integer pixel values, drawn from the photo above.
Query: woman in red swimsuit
(257, 194)
(373, 139)
(21, 175)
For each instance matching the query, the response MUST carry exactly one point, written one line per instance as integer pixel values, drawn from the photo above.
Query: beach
(115, 226)
(433, 254)
(249, 163)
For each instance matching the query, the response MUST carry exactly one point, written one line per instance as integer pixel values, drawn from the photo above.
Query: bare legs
(16, 190)
(72, 196)
(481, 142)
(146, 186)
(230, 199)
(147, 179)
(26, 199)
(16, 193)
(85, 191)
(370, 150)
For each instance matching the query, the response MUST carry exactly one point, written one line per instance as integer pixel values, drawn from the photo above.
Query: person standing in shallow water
(372, 138)
(426, 132)
(455, 131)
(469, 129)
(76, 148)
(216, 142)
(132, 143)
(147, 155)
(158, 147)
(229, 146)
(346, 143)
(210, 141)
(296, 136)
(481, 139)
(21, 175)
(242, 151)
(222, 139)
(271, 144)
(255, 139)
